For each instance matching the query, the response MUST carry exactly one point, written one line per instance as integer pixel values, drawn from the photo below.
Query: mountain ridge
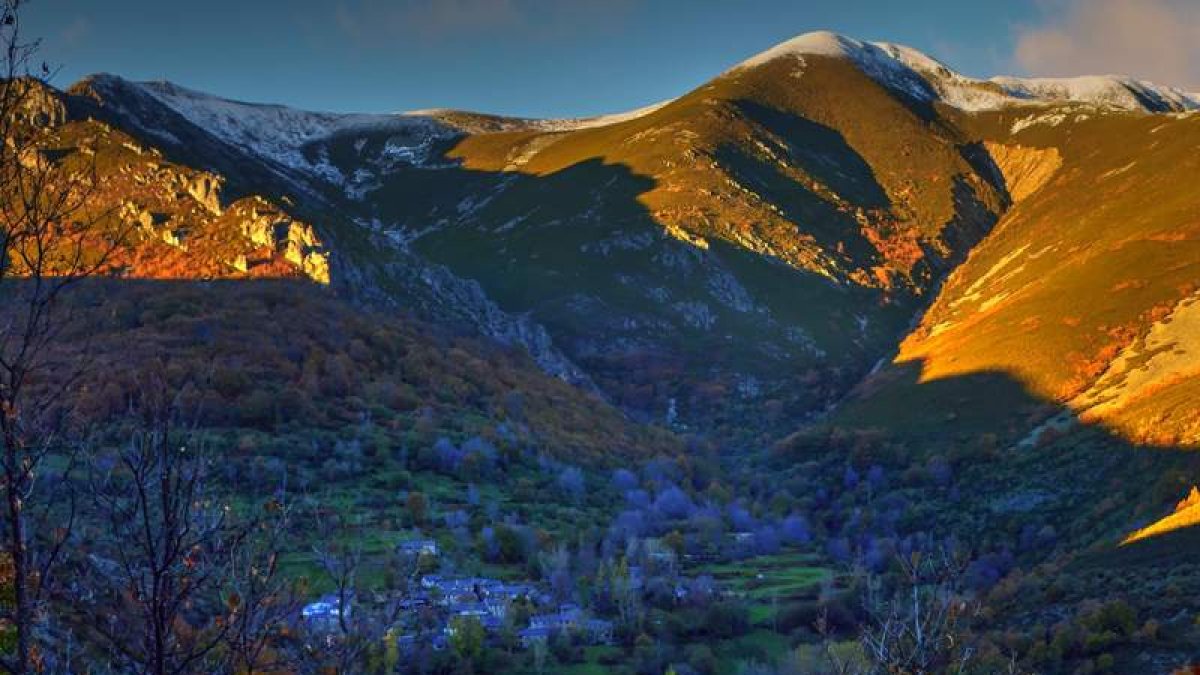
(807, 164)
(838, 281)
(951, 87)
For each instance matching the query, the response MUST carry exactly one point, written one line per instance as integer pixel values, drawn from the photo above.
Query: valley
(740, 382)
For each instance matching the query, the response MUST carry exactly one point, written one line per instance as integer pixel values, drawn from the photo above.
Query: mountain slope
(976, 299)
(1074, 295)
(757, 244)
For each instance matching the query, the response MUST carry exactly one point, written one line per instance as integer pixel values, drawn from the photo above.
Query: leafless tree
(174, 548)
(47, 245)
(363, 617)
(917, 623)
(261, 599)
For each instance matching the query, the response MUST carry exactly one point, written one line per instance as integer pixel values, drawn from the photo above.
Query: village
(438, 606)
(528, 614)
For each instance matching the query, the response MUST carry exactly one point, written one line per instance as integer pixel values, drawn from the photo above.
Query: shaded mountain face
(748, 251)
(762, 240)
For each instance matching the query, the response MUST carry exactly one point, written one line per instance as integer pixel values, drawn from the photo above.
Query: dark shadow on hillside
(824, 157)
(822, 152)
(649, 342)
(973, 220)
(1024, 459)
(569, 264)
(291, 365)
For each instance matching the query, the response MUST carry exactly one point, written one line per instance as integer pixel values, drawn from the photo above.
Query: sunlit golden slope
(1187, 514)
(1085, 290)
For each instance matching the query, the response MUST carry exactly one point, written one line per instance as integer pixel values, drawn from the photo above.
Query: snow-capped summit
(924, 77)
(275, 131)
(871, 58)
(817, 43)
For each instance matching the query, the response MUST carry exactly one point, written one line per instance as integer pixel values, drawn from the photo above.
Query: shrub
(673, 503)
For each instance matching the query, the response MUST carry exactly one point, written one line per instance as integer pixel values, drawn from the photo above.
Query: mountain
(757, 244)
(1082, 291)
(909, 303)
(755, 247)
(659, 251)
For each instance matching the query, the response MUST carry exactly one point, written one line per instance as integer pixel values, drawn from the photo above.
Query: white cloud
(1150, 39)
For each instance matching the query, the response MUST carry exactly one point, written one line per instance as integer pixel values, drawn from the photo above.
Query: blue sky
(548, 58)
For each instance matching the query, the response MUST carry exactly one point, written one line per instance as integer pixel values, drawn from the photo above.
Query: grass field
(782, 577)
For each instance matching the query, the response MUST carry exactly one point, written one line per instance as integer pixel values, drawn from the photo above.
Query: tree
(174, 548)
(541, 651)
(919, 625)
(509, 546)
(572, 483)
(418, 507)
(261, 601)
(466, 639)
(627, 598)
(674, 541)
(47, 245)
(556, 569)
(360, 627)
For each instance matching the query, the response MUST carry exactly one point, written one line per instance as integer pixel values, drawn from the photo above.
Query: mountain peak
(919, 75)
(816, 43)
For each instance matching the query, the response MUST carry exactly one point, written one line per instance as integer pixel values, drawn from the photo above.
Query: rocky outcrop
(205, 188)
(470, 303)
(266, 225)
(40, 106)
(1025, 169)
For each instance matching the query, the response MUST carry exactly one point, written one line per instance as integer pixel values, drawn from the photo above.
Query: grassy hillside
(751, 242)
(990, 316)
(279, 364)
(1083, 283)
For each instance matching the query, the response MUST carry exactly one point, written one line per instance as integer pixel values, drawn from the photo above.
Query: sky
(572, 58)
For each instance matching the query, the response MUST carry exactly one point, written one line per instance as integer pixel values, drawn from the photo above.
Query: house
(567, 618)
(326, 613)
(415, 600)
(513, 592)
(469, 589)
(491, 624)
(406, 643)
(531, 636)
(460, 598)
(488, 587)
(497, 606)
(598, 631)
(475, 609)
(417, 547)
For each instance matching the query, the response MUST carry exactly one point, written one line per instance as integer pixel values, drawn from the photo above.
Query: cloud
(375, 21)
(1150, 39)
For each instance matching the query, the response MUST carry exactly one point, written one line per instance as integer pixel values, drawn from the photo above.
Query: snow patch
(600, 121)
(280, 133)
(872, 58)
(926, 78)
